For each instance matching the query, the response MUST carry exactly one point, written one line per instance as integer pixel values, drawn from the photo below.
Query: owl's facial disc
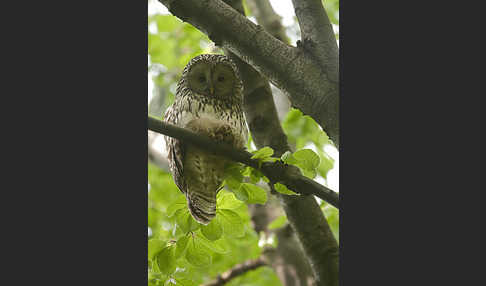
(199, 79)
(223, 78)
(215, 81)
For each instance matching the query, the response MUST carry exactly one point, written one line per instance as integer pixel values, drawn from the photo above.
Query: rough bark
(266, 16)
(317, 35)
(293, 69)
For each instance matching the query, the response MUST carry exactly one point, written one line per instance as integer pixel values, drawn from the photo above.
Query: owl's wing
(176, 152)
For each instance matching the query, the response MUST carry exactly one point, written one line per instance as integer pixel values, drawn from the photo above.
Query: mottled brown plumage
(208, 101)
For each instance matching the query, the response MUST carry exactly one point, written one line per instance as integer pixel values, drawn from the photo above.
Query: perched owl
(208, 101)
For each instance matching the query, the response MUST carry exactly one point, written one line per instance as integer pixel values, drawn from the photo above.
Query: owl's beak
(211, 90)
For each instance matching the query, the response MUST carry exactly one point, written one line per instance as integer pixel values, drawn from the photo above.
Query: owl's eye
(202, 79)
(221, 78)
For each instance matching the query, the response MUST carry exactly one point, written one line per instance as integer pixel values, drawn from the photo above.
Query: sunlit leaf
(213, 230)
(166, 260)
(178, 204)
(185, 221)
(241, 193)
(307, 158)
(181, 246)
(210, 245)
(227, 200)
(263, 153)
(231, 223)
(255, 175)
(256, 195)
(155, 246)
(281, 188)
(197, 255)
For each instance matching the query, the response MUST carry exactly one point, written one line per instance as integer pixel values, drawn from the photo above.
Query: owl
(208, 101)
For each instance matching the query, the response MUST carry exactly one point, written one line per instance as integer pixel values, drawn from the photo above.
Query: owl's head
(213, 76)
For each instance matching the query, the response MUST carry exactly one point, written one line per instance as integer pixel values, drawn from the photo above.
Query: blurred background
(171, 44)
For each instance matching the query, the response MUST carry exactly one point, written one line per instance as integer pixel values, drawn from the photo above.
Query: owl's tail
(202, 205)
(204, 176)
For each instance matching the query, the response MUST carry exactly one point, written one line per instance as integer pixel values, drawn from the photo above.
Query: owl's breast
(210, 115)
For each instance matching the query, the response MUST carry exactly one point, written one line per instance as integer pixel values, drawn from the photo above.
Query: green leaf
(327, 163)
(283, 189)
(234, 171)
(255, 175)
(213, 230)
(241, 194)
(231, 222)
(288, 158)
(197, 255)
(177, 205)
(232, 184)
(278, 222)
(263, 153)
(308, 159)
(166, 23)
(185, 221)
(309, 173)
(215, 246)
(227, 200)
(247, 171)
(154, 247)
(233, 175)
(166, 260)
(256, 195)
(181, 246)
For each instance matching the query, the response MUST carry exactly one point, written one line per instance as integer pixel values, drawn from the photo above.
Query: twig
(236, 271)
(274, 171)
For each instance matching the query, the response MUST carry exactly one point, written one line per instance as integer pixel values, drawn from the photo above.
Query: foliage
(302, 131)
(181, 249)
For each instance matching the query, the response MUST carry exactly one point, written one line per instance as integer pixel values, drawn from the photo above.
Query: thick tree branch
(266, 16)
(292, 69)
(317, 34)
(319, 40)
(275, 172)
(236, 271)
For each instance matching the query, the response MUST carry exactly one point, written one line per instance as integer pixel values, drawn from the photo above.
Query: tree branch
(291, 69)
(317, 34)
(266, 16)
(274, 171)
(236, 271)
